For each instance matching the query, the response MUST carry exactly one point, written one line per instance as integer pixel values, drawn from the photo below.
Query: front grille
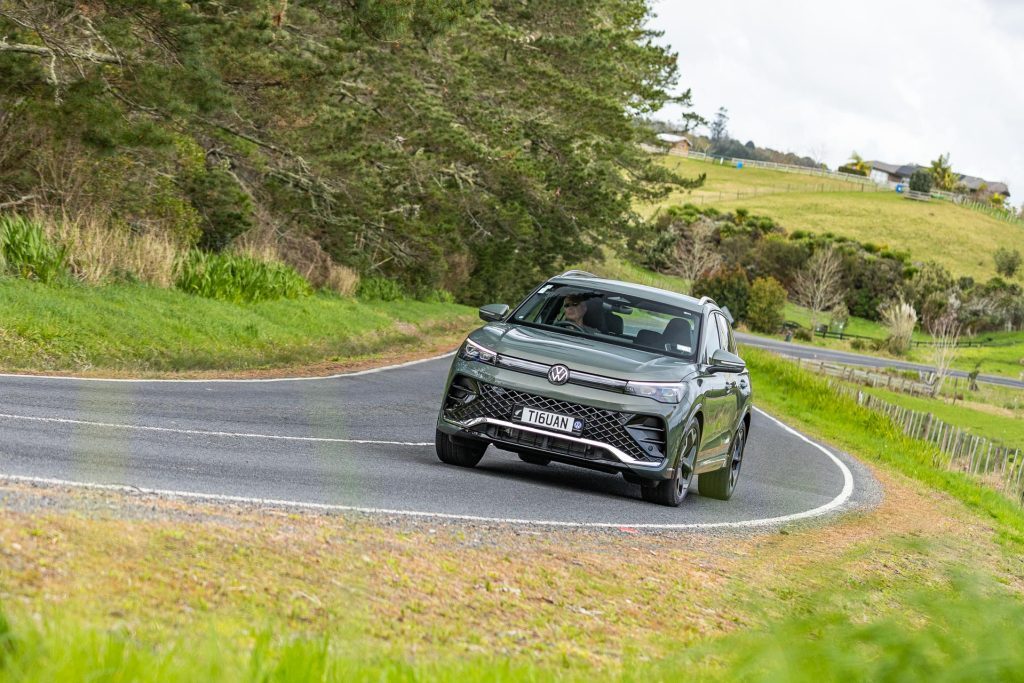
(640, 436)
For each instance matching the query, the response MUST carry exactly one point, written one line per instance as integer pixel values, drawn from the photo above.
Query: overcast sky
(899, 82)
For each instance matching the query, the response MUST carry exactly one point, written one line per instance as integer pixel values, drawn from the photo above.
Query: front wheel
(671, 492)
(461, 452)
(721, 483)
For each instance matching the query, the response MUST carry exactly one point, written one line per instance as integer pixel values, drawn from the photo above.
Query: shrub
(803, 334)
(237, 278)
(26, 251)
(900, 317)
(379, 289)
(921, 181)
(858, 345)
(1007, 261)
(766, 304)
(728, 287)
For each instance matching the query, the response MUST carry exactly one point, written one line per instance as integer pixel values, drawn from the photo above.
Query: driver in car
(575, 307)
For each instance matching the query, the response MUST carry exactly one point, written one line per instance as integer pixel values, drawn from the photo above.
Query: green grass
(725, 182)
(1008, 428)
(960, 239)
(962, 631)
(1007, 361)
(134, 328)
(807, 402)
(1004, 356)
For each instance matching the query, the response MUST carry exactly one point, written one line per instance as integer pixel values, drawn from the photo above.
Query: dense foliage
(871, 275)
(26, 251)
(237, 278)
(766, 308)
(474, 145)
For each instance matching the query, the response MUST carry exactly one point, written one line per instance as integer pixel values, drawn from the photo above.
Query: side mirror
(723, 361)
(492, 312)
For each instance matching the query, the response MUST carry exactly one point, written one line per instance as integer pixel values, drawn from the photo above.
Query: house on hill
(982, 189)
(891, 174)
(675, 144)
(978, 188)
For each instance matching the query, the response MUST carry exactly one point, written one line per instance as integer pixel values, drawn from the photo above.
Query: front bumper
(622, 434)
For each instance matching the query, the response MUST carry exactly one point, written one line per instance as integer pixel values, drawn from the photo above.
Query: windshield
(612, 317)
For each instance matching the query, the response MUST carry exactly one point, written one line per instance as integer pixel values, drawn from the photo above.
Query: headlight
(664, 392)
(472, 351)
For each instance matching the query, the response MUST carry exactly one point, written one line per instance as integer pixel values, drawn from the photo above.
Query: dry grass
(100, 252)
(160, 566)
(301, 252)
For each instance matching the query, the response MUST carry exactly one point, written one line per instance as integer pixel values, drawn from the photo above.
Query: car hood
(579, 353)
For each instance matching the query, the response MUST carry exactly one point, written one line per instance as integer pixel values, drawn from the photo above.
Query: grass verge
(136, 329)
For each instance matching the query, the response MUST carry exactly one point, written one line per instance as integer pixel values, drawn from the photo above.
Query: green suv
(613, 376)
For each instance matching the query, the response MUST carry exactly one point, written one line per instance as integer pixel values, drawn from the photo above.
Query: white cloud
(897, 82)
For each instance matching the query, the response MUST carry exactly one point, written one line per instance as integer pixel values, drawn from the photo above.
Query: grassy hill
(960, 239)
(139, 330)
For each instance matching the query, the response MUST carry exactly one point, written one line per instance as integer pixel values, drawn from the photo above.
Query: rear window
(612, 317)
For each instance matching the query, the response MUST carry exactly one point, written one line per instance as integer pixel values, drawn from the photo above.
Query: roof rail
(707, 300)
(577, 273)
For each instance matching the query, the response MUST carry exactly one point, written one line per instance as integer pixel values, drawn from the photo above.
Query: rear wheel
(461, 452)
(721, 483)
(671, 492)
(534, 459)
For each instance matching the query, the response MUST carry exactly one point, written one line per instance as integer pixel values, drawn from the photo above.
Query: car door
(735, 383)
(717, 397)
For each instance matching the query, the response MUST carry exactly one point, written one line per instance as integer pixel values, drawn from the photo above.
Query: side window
(725, 333)
(712, 341)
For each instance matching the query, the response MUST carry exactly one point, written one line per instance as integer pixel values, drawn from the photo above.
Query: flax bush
(237, 278)
(26, 251)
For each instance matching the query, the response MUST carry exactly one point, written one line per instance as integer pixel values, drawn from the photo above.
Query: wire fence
(701, 197)
(788, 168)
(960, 343)
(992, 462)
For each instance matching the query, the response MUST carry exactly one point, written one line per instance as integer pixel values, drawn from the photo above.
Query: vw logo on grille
(558, 374)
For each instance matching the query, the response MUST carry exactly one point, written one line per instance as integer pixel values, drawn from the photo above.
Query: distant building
(675, 144)
(982, 189)
(978, 188)
(891, 174)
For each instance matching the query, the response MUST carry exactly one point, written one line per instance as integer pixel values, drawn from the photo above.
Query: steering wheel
(568, 324)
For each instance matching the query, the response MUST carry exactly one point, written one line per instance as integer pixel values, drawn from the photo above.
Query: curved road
(364, 441)
(819, 353)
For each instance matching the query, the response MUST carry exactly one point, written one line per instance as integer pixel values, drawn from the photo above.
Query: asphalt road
(818, 353)
(365, 441)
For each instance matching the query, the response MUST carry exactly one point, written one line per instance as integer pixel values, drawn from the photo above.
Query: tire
(721, 484)
(461, 452)
(534, 459)
(671, 492)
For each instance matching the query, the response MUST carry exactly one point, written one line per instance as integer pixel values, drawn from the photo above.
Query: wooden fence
(868, 377)
(994, 463)
(789, 168)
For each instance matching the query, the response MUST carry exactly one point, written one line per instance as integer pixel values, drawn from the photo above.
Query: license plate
(552, 421)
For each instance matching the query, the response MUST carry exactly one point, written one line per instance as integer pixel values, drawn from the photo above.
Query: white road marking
(203, 432)
(836, 502)
(355, 373)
